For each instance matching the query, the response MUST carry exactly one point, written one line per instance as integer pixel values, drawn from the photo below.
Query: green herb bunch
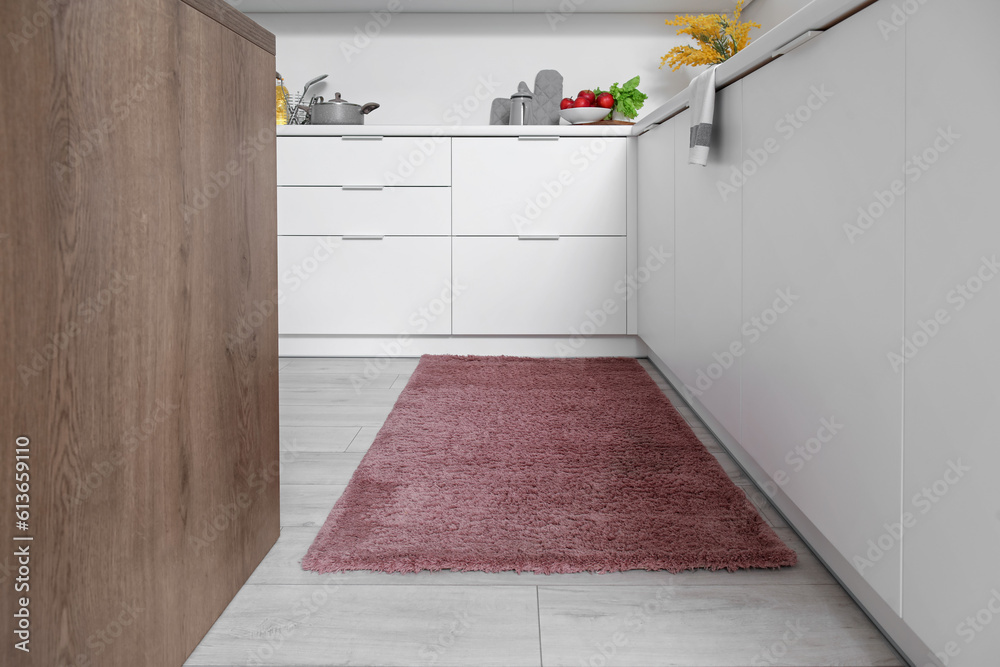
(628, 98)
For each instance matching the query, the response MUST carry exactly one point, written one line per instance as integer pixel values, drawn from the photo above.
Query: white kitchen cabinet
(375, 286)
(364, 160)
(569, 286)
(567, 186)
(656, 237)
(952, 367)
(821, 408)
(708, 343)
(313, 211)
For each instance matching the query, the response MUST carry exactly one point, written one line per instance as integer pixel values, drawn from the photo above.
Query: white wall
(769, 13)
(420, 67)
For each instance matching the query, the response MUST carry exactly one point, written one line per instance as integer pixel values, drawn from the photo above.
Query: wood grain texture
(125, 280)
(235, 20)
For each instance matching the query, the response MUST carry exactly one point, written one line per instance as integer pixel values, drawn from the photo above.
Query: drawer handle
(363, 238)
(538, 238)
(373, 188)
(362, 137)
(540, 137)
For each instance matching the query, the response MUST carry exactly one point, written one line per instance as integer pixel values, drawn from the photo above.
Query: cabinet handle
(796, 43)
(538, 238)
(362, 137)
(362, 237)
(539, 137)
(373, 188)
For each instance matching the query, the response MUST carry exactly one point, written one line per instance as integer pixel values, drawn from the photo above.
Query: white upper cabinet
(531, 186)
(822, 304)
(708, 342)
(655, 273)
(952, 360)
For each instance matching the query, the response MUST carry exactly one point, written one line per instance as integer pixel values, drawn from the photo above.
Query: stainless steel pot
(337, 111)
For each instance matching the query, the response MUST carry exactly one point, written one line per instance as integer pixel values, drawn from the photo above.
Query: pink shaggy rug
(541, 465)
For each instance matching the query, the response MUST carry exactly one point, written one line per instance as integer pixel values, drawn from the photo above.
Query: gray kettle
(337, 111)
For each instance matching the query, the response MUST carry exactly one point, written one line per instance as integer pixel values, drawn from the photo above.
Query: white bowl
(584, 114)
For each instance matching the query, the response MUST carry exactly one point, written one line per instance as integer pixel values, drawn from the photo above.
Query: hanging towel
(701, 95)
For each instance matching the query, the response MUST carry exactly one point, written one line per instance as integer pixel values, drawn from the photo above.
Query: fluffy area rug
(541, 465)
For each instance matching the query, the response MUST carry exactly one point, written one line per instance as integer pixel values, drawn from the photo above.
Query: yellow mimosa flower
(719, 38)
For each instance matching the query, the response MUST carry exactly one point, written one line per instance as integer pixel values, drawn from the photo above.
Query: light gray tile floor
(331, 410)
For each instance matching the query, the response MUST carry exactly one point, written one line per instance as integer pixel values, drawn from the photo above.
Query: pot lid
(340, 100)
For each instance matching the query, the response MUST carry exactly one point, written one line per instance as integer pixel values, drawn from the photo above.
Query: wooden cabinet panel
(821, 408)
(364, 161)
(656, 236)
(137, 243)
(336, 211)
(389, 286)
(709, 281)
(565, 287)
(573, 186)
(950, 358)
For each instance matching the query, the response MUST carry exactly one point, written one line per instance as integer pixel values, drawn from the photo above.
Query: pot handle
(368, 108)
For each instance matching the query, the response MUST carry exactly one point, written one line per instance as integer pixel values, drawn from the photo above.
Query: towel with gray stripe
(701, 97)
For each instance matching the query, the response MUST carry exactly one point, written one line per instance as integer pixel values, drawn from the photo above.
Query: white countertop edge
(454, 130)
(817, 15)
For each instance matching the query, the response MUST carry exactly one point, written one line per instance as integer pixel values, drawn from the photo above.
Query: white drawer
(539, 287)
(505, 186)
(391, 287)
(322, 211)
(346, 161)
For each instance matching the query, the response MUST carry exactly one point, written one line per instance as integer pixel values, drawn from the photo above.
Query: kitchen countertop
(817, 15)
(455, 130)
